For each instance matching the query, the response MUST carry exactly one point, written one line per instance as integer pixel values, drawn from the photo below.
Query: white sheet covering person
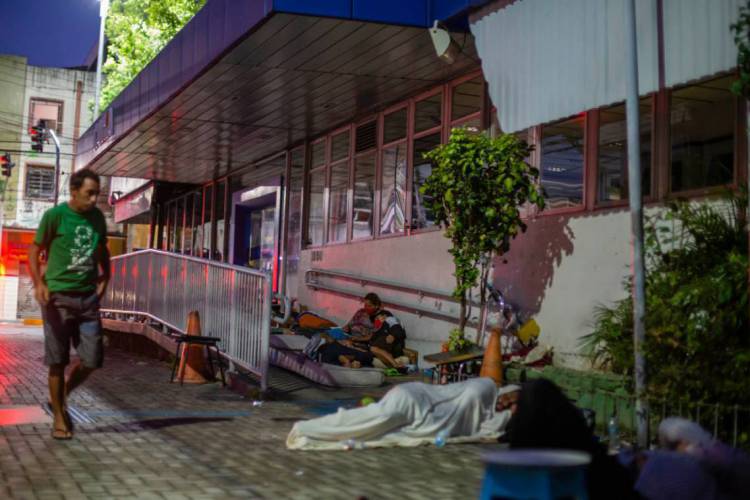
(410, 414)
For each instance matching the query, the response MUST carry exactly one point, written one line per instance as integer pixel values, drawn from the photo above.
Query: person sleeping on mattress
(414, 414)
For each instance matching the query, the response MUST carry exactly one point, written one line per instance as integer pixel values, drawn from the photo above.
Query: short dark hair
(78, 178)
(373, 299)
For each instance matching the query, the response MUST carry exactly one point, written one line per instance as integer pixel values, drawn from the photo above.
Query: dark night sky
(49, 32)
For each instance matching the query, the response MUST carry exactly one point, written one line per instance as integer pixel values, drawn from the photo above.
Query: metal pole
(636, 218)
(103, 6)
(57, 164)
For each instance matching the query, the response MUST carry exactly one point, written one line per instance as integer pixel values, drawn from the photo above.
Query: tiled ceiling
(294, 77)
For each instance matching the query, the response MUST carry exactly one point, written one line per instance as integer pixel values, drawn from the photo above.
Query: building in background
(60, 97)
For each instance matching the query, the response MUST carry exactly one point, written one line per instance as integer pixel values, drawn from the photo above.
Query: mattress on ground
(286, 352)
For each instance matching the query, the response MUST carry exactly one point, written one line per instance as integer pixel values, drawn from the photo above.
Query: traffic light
(6, 164)
(38, 136)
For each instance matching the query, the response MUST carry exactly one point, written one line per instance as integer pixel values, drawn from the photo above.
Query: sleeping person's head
(507, 398)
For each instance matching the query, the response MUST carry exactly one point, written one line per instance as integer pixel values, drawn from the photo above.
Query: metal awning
(244, 80)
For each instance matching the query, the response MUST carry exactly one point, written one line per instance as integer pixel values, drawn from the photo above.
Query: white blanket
(410, 414)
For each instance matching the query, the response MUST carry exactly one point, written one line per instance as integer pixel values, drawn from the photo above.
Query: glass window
(169, 237)
(294, 223)
(207, 217)
(421, 216)
(364, 196)
(702, 119)
(179, 225)
(466, 98)
(318, 154)
(612, 178)
(40, 182)
(49, 111)
(393, 190)
(189, 211)
(366, 137)
(429, 113)
(394, 126)
(219, 250)
(562, 162)
(197, 226)
(338, 202)
(317, 183)
(340, 146)
(472, 125)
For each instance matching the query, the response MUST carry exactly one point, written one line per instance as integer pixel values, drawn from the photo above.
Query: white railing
(234, 302)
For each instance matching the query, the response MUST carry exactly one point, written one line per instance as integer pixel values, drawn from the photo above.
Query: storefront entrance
(256, 228)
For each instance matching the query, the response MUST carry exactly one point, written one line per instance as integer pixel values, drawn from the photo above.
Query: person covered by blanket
(545, 419)
(414, 414)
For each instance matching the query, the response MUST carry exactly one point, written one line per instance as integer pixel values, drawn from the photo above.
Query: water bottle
(613, 432)
(440, 439)
(350, 444)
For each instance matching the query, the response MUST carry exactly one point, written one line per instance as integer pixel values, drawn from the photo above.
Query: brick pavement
(145, 438)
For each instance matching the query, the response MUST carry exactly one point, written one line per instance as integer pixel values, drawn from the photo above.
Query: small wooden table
(454, 366)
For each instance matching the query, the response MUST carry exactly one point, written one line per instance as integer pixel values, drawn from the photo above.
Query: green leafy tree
(475, 191)
(137, 30)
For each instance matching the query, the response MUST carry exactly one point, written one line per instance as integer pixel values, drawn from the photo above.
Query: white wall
(558, 272)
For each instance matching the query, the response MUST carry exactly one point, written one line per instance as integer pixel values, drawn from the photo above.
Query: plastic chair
(537, 474)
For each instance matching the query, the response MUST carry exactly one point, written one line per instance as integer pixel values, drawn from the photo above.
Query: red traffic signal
(38, 135)
(6, 164)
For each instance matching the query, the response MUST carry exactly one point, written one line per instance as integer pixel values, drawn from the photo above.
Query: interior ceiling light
(445, 47)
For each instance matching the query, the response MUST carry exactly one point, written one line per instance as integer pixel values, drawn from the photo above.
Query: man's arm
(41, 292)
(103, 281)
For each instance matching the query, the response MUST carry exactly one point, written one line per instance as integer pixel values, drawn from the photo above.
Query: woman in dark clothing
(545, 418)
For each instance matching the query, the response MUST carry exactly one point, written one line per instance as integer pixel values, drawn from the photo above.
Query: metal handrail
(234, 302)
(311, 282)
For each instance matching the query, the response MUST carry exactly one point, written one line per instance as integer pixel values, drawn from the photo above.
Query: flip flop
(61, 434)
(66, 416)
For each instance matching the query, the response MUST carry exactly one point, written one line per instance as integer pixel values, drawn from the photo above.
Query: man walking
(74, 236)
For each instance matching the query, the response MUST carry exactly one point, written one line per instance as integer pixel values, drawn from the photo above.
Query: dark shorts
(73, 318)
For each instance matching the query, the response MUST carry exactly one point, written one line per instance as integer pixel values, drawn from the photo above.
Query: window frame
(382, 146)
(412, 137)
(329, 177)
(739, 126)
(44, 100)
(592, 174)
(29, 167)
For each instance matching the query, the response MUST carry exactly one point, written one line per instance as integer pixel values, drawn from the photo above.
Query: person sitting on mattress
(413, 414)
(362, 323)
(386, 343)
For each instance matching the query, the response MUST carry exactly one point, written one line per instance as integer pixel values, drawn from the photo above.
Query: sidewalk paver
(146, 438)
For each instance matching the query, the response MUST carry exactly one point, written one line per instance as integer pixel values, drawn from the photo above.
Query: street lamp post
(636, 220)
(103, 7)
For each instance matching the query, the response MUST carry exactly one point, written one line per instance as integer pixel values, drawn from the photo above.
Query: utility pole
(636, 220)
(103, 7)
(57, 163)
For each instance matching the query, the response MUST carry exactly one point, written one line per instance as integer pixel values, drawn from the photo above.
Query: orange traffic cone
(492, 363)
(193, 371)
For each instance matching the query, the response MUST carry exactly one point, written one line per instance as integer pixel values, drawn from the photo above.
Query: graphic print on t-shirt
(83, 247)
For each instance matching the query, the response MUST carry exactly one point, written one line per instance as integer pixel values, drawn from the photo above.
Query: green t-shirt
(71, 240)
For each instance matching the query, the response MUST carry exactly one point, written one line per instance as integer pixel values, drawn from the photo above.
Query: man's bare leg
(385, 357)
(78, 374)
(56, 382)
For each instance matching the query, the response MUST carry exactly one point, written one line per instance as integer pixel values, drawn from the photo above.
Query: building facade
(29, 94)
(295, 146)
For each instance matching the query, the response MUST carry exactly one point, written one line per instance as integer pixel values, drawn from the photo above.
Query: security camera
(445, 47)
